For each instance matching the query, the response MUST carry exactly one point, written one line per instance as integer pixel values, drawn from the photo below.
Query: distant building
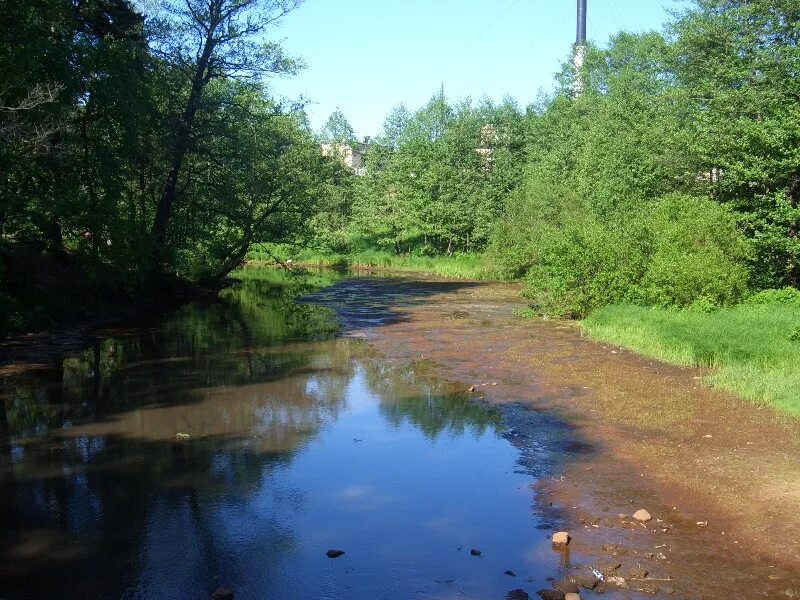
(489, 139)
(351, 156)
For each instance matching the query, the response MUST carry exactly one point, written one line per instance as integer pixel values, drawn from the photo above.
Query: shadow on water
(234, 442)
(364, 302)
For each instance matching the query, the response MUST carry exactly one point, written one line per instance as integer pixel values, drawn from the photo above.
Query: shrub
(530, 213)
(583, 265)
(698, 253)
(787, 296)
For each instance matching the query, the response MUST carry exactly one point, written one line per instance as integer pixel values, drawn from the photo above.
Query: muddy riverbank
(618, 432)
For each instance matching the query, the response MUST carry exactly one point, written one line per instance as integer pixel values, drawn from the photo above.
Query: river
(233, 442)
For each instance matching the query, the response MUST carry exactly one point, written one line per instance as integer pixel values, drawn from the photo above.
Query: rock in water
(334, 553)
(572, 596)
(561, 538)
(510, 573)
(588, 582)
(518, 594)
(221, 594)
(642, 515)
(475, 552)
(550, 594)
(618, 581)
(566, 586)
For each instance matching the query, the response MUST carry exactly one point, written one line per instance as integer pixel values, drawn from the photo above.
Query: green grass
(458, 266)
(753, 350)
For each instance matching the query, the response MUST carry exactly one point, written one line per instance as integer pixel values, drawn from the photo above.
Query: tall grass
(753, 350)
(459, 266)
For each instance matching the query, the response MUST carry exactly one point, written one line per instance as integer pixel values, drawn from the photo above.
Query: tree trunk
(180, 147)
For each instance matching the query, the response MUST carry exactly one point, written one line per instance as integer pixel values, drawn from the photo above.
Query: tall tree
(737, 63)
(207, 40)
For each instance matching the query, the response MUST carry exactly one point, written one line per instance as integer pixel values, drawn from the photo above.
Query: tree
(736, 62)
(337, 130)
(207, 40)
(395, 125)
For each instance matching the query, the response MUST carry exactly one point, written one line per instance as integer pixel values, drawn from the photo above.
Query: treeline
(666, 171)
(150, 144)
(433, 182)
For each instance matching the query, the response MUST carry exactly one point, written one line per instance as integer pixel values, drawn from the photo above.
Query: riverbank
(457, 266)
(718, 475)
(44, 293)
(749, 350)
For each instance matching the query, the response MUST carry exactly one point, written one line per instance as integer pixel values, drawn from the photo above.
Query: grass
(753, 350)
(458, 266)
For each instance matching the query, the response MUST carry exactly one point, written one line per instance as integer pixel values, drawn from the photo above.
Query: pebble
(572, 596)
(614, 549)
(334, 553)
(221, 594)
(618, 581)
(547, 594)
(518, 594)
(566, 586)
(475, 552)
(642, 515)
(561, 538)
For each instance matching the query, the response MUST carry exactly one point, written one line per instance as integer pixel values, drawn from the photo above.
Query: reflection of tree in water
(111, 483)
(96, 490)
(416, 396)
(231, 342)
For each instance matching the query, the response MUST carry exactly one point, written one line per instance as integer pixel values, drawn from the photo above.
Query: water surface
(233, 443)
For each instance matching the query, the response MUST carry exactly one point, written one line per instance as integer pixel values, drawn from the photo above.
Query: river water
(232, 443)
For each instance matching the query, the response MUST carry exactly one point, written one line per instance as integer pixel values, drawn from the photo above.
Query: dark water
(292, 442)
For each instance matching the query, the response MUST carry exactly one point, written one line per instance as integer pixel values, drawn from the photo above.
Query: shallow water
(233, 443)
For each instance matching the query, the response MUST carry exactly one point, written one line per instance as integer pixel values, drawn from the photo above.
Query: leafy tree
(337, 130)
(736, 62)
(206, 40)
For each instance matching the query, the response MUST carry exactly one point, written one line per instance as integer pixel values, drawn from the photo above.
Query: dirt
(607, 433)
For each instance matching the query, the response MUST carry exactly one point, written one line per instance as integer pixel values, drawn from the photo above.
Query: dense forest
(146, 148)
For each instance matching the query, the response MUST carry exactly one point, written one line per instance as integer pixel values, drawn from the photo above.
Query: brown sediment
(720, 476)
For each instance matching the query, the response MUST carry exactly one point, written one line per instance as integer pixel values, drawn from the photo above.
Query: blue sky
(366, 56)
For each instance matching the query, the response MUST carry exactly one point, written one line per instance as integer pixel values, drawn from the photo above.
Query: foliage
(434, 182)
(697, 254)
(735, 64)
(787, 296)
(459, 266)
(337, 130)
(617, 204)
(146, 146)
(582, 265)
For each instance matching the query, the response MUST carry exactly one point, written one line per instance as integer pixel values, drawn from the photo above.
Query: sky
(366, 56)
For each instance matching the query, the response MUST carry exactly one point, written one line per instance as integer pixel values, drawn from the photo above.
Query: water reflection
(235, 442)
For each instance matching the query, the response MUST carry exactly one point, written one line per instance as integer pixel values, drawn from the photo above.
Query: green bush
(683, 251)
(583, 265)
(530, 213)
(698, 254)
(787, 296)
